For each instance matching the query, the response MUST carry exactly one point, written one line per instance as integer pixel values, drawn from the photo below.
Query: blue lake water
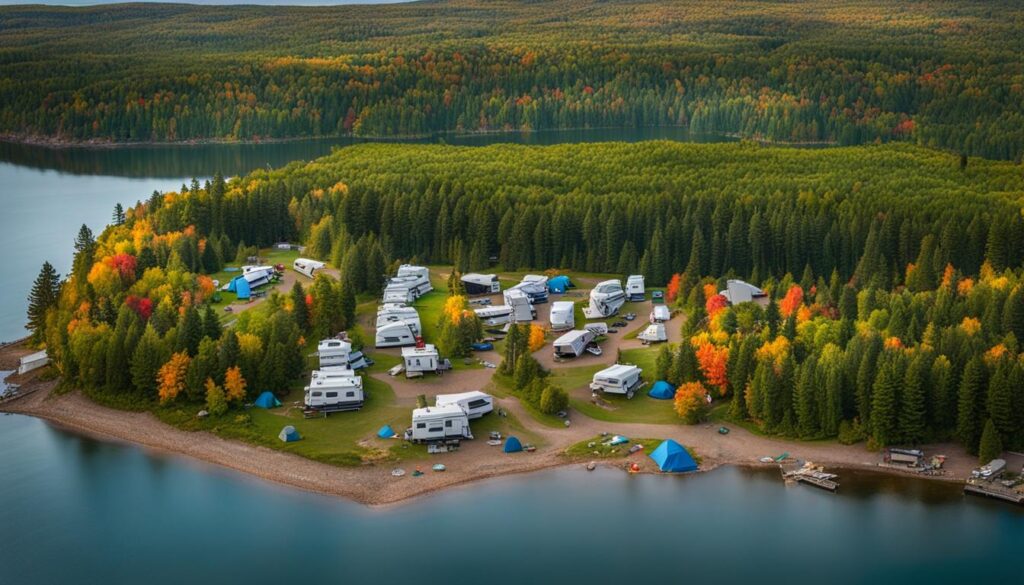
(75, 510)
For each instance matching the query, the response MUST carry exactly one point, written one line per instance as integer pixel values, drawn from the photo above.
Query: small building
(737, 291)
(911, 457)
(421, 359)
(481, 284)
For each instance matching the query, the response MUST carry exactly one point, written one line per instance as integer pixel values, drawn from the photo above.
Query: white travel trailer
(481, 284)
(535, 286)
(475, 403)
(654, 333)
(398, 313)
(395, 335)
(333, 352)
(563, 315)
(334, 391)
(438, 423)
(605, 300)
(522, 308)
(573, 343)
(618, 379)
(307, 267)
(737, 291)
(660, 314)
(398, 293)
(414, 278)
(422, 359)
(635, 287)
(492, 316)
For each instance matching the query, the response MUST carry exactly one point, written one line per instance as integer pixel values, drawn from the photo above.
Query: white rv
(307, 267)
(398, 313)
(414, 278)
(535, 286)
(398, 293)
(492, 316)
(334, 392)
(563, 316)
(573, 343)
(737, 291)
(522, 308)
(654, 333)
(437, 423)
(618, 379)
(475, 404)
(395, 335)
(333, 352)
(635, 287)
(605, 300)
(418, 360)
(481, 284)
(660, 314)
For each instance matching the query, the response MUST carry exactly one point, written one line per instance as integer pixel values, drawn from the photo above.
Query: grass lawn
(602, 451)
(501, 386)
(641, 409)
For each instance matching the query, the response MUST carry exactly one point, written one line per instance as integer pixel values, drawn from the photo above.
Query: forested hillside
(943, 74)
(895, 272)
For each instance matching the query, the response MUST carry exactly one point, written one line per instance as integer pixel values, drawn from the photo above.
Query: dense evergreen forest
(941, 74)
(896, 272)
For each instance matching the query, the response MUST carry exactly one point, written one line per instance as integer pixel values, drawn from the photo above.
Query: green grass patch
(596, 447)
(641, 409)
(501, 386)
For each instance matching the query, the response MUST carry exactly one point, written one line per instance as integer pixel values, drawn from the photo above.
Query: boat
(767, 459)
(635, 448)
(397, 472)
(723, 431)
(594, 350)
(494, 442)
(782, 457)
(591, 466)
(439, 467)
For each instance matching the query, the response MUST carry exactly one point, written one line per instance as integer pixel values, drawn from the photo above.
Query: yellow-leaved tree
(234, 384)
(171, 377)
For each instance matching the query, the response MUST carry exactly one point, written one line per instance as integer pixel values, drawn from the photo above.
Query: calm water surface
(74, 510)
(47, 194)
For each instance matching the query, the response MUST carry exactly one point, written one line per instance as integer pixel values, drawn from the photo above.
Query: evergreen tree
(912, 416)
(969, 404)
(211, 324)
(1000, 401)
(300, 311)
(44, 296)
(190, 332)
(147, 357)
(883, 402)
(118, 216)
(991, 445)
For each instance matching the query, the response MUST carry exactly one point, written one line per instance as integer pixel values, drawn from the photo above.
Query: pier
(812, 475)
(994, 491)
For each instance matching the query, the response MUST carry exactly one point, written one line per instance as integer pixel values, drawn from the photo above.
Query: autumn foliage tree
(171, 377)
(792, 301)
(672, 290)
(714, 365)
(690, 402)
(536, 339)
(234, 385)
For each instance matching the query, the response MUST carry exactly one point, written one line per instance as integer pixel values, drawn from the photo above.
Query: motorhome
(399, 313)
(421, 359)
(333, 352)
(562, 315)
(307, 267)
(622, 379)
(535, 286)
(398, 293)
(573, 343)
(492, 316)
(397, 334)
(992, 470)
(660, 314)
(605, 300)
(635, 287)
(481, 284)
(414, 278)
(438, 423)
(654, 333)
(522, 308)
(332, 372)
(334, 392)
(475, 403)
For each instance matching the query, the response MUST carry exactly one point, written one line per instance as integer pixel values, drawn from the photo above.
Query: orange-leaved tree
(714, 363)
(792, 301)
(691, 402)
(672, 290)
(234, 384)
(536, 339)
(171, 377)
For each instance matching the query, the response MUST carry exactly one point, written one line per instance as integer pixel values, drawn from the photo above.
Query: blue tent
(240, 286)
(289, 434)
(267, 400)
(559, 284)
(662, 390)
(386, 432)
(672, 457)
(512, 445)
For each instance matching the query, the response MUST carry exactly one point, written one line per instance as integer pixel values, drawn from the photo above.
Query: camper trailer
(535, 286)
(421, 359)
(395, 335)
(481, 284)
(522, 309)
(573, 343)
(439, 423)
(398, 293)
(618, 379)
(660, 314)
(737, 291)
(334, 392)
(605, 300)
(307, 267)
(562, 316)
(494, 315)
(635, 287)
(654, 333)
(398, 313)
(333, 352)
(416, 279)
(475, 404)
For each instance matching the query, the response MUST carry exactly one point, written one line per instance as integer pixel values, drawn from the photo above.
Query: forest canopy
(940, 74)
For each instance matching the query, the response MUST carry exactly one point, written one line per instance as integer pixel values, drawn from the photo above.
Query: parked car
(657, 297)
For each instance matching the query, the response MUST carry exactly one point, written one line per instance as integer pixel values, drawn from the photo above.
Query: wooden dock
(811, 475)
(819, 482)
(994, 491)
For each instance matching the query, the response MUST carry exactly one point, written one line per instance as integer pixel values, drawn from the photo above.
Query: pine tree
(211, 324)
(190, 332)
(1000, 401)
(883, 402)
(912, 415)
(991, 445)
(44, 296)
(969, 404)
(300, 311)
(118, 216)
(147, 357)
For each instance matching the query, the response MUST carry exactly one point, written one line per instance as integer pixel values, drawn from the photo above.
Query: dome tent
(559, 284)
(267, 400)
(512, 445)
(288, 434)
(386, 432)
(240, 286)
(673, 457)
(662, 390)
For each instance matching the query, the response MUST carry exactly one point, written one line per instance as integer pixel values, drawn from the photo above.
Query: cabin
(635, 287)
(481, 284)
(622, 379)
(421, 359)
(439, 423)
(334, 391)
(573, 343)
(307, 267)
(993, 470)
(562, 315)
(397, 334)
(605, 300)
(737, 291)
(474, 403)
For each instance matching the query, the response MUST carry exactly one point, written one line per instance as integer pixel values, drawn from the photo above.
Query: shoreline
(369, 485)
